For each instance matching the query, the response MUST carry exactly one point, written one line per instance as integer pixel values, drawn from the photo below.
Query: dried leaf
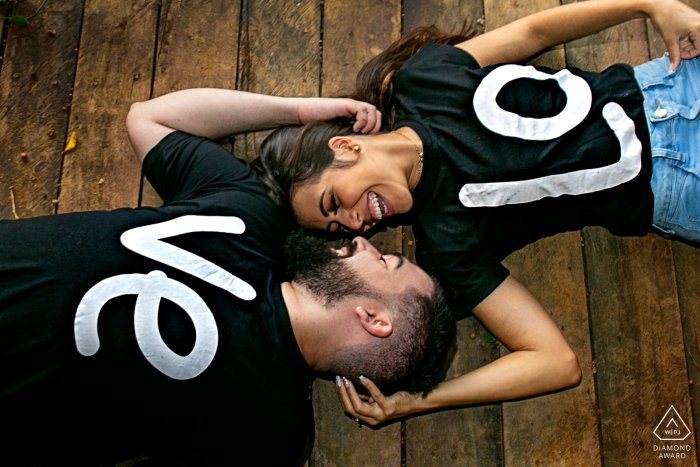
(18, 19)
(71, 143)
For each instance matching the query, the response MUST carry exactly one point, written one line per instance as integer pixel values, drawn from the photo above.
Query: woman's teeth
(379, 206)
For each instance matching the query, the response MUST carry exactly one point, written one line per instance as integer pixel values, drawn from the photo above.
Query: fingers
(378, 124)
(368, 118)
(373, 390)
(344, 398)
(674, 52)
(353, 405)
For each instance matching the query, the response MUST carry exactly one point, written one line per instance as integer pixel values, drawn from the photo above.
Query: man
(171, 332)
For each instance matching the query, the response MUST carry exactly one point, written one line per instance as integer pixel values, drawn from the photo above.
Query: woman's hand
(376, 409)
(679, 25)
(369, 119)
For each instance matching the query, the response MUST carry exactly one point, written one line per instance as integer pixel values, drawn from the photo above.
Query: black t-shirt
(192, 361)
(514, 154)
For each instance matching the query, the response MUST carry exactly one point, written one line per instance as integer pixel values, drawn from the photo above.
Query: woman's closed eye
(334, 205)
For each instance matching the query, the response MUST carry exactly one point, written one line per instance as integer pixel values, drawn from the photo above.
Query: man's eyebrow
(320, 204)
(401, 259)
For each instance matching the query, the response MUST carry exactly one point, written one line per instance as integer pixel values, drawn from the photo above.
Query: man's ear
(376, 320)
(344, 149)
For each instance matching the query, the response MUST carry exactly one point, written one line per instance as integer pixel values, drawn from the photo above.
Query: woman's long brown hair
(374, 81)
(292, 156)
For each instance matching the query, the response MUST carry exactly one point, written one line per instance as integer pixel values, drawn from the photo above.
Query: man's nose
(362, 244)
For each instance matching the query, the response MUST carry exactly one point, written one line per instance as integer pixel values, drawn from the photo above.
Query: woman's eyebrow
(320, 204)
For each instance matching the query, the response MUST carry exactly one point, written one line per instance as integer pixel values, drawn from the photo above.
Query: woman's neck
(411, 149)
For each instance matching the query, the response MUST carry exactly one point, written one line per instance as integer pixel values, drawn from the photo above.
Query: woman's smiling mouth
(377, 207)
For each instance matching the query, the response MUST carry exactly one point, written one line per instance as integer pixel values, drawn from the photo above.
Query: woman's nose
(353, 221)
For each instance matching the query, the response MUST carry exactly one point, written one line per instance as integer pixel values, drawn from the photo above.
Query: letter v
(146, 241)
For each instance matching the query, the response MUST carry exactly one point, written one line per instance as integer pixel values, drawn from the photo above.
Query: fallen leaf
(18, 19)
(50, 132)
(488, 338)
(71, 143)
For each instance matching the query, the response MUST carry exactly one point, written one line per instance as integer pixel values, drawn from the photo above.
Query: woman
(512, 154)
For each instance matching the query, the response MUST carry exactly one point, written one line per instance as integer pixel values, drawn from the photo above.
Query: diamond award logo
(672, 427)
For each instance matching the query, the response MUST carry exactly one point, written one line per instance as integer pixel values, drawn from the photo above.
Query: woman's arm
(541, 361)
(215, 113)
(678, 24)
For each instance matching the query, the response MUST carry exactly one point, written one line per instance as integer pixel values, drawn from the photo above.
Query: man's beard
(312, 265)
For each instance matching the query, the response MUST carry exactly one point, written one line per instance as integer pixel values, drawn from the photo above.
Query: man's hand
(679, 25)
(369, 119)
(376, 409)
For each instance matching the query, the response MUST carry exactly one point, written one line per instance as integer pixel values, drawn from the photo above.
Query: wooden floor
(629, 307)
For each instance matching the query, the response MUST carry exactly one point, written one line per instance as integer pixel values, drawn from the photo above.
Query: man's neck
(301, 315)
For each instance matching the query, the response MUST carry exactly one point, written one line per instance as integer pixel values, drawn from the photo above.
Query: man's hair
(413, 356)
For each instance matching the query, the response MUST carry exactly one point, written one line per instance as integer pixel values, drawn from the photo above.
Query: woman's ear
(344, 149)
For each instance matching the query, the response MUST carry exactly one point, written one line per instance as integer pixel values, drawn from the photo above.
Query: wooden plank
(635, 319)
(499, 13)
(473, 435)
(560, 428)
(637, 341)
(445, 14)
(347, 45)
(687, 264)
(686, 260)
(469, 436)
(194, 52)
(278, 55)
(30, 105)
(115, 66)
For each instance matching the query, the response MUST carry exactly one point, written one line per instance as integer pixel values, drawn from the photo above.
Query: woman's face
(353, 198)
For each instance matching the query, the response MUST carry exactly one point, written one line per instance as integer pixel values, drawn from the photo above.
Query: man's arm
(678, 24)
(215, 113)
(541, 361)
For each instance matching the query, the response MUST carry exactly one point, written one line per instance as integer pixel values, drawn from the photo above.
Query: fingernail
(362, 377)
(337, 381)
(347, 385)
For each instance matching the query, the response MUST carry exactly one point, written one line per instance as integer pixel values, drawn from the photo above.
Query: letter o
(493, 117)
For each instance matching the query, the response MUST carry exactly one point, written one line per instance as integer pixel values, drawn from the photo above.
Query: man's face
(354, 270)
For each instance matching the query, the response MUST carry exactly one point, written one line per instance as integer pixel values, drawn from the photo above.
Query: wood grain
(635, 319)
(637, 339)
(35, 84)
(448, 15)
(115, 66)
(279, 55)
(472, 435)
(499, 13)
(686, 260)
(687, 264)
(194, 52)
(559, 428)
(469, 436)
(353, 33)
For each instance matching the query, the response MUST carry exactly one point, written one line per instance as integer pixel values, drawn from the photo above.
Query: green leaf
(488, 337)
(18, 19)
